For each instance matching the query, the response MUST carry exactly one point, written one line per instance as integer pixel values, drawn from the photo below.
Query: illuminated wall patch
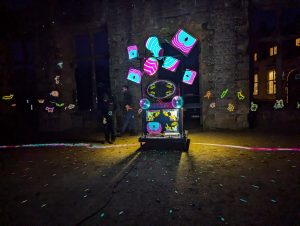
(208, 94)
(49, 109)
(150, 66)
(41, 101)
(170, 63)
(8, 97)
(253, 106)
(154, 128)
(240, 95)
(183, 41)
(54, 93)
(230, 107)
(189, 76)
(132, 52)
(154, 47)
(278, 104)
(212, 105)
(134, 75)
(57, 80)
(224, 93)
(60, 65)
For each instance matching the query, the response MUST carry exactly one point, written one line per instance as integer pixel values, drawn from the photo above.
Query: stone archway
(293, 90)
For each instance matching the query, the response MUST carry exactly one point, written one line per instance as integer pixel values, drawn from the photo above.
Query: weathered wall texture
(222, 29)
(220, 26)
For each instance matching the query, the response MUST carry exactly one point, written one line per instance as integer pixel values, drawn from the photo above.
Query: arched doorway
(293, 91)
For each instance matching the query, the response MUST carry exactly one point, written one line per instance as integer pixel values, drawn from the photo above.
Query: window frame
(273, 51)
(273, 80)
(255, 85)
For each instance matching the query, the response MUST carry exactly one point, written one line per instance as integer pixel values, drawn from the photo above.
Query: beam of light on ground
(251, 148)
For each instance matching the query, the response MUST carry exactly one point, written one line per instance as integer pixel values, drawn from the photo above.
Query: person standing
(129, 118)
(109, 108)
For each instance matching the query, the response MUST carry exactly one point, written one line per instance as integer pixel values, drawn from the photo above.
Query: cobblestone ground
(122, 185)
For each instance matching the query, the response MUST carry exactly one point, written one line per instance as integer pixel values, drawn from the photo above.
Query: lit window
(297, 41)
(255, 57)
(271, 88)
(255, 88)
(273, 51)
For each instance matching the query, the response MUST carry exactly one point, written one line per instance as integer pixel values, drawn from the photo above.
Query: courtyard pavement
(226, 178)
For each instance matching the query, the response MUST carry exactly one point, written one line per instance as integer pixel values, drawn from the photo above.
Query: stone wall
(220, 26)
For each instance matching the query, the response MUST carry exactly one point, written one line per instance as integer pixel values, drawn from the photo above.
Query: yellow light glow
(255, 88)
(297, 41)
(273, 51)
(271, 88)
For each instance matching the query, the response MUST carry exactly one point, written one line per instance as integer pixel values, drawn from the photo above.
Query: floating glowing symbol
(49, 109)
(189, 76)
(60, 64)
(145, 103)
(208, 94)
(278, 104)
(70, 106)
(154, 128)
(60, 104)
(224, 93)
(170, 63)
(212, 105)
(153, 46)
(41, 101)
(240, 95)
(230, 107)
(54, 93)
(57, 78)
(254, 106)
(150, 66)
(183, 41)
(9, 97)
(132, 52)
(134, 75)
(177, 102)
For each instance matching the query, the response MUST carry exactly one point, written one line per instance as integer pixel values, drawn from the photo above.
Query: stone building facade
(220, 26)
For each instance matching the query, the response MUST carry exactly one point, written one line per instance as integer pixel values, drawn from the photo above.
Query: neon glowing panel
(170, 63)
(150, 66)
(189, 76)
(183, 41)
(172, 114)
(161, 89)
(154, 128)
(134, 75)
(151, 115)
(152, 44)
(132, 52)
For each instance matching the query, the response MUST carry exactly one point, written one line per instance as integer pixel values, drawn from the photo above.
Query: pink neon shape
(150, 66)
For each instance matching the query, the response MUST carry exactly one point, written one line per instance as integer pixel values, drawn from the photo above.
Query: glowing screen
(183, 41)
(170, 63)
